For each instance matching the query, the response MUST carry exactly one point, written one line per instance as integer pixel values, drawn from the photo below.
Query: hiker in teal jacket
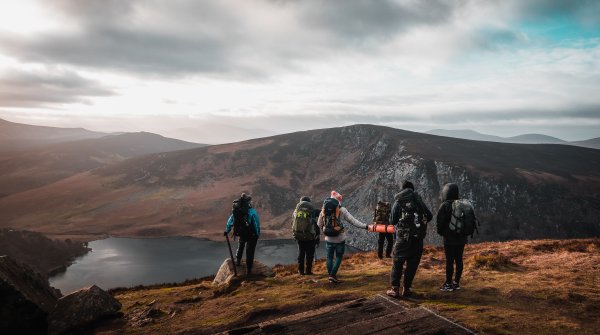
(247, 229)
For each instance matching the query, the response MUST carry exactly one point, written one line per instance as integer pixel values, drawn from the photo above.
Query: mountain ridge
(190, 192)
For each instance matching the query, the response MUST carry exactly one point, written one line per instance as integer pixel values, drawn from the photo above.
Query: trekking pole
(231, 255)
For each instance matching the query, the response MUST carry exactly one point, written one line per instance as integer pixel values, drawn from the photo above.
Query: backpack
(303, 228)
(241, 226)
(408, 206)
(409, 209)
(463, 221)
(331, 217)
(382, 213)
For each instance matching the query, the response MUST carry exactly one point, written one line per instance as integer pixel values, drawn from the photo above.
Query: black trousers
(306, 253)
(390, 244)
(250, 244)
(454, 255)
(409, 254)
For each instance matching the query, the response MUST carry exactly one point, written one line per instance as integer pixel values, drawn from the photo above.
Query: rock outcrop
(81, 308)
(225, 274)
(26, 298)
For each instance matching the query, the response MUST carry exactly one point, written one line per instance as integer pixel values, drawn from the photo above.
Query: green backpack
(303, 228)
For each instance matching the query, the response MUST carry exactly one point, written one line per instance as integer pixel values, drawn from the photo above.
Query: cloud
(20, 88)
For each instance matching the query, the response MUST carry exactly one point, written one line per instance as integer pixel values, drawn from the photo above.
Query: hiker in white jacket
(330, 222)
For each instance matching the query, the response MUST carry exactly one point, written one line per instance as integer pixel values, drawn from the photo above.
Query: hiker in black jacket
(410, 215)
(454, 244)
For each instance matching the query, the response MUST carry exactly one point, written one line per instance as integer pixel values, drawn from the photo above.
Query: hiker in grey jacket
(336, 244)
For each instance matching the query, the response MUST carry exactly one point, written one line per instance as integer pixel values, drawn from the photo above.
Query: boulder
(82, 308)
(225, 273)
(26, 298)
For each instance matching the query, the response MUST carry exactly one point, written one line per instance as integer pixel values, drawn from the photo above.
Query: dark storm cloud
(32, 89)
(365, 20)
(217, 38)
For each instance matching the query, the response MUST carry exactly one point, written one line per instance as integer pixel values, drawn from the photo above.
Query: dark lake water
(125, 262)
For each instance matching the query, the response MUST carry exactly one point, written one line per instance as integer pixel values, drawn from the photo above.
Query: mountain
(17, 136)
(535, 139)
(31, 168)
(591, 143)
(468, 134)
(519, 191)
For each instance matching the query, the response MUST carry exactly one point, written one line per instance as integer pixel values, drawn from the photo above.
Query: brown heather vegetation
(518, 287)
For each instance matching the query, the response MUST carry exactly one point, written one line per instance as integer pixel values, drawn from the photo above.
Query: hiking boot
(309, 270)
(407, 292)
(447, 287)
(456, 286)
(380, 256)
(394, 292)
(333, 279)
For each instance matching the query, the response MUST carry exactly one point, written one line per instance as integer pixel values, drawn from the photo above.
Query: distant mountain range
(43, 155)
(519, 190)
(468, 134)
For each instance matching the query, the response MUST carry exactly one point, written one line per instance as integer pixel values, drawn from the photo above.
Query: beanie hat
(336, 195)
(305, 198)
(407, 184)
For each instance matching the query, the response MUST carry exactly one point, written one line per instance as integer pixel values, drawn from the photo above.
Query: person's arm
(395, 215)
(442, 218)
(320, 221)
(256, 221)
(229, 224)
(349, 218)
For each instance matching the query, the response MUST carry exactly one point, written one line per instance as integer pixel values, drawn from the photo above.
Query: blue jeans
(338, 249)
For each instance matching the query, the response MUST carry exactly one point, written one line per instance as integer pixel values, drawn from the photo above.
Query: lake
(126, 262)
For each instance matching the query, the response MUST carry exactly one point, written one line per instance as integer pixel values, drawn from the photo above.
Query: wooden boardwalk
(376, 315)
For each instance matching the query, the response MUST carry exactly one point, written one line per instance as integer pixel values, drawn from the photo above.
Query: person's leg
(449, 252)
(390, 245)
(339, 255)
(310, 255)
(301, 256)
(412, 264)
(240, 250)
(458, 257)
(251, 247)
(330, 248)
(380, 241)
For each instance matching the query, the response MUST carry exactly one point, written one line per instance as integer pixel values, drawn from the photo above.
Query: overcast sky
(502, 67)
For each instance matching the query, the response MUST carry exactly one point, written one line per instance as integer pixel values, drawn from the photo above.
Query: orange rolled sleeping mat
(381, 228)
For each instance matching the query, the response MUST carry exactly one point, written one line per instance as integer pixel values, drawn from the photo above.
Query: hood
(404, 193)
(449, 192)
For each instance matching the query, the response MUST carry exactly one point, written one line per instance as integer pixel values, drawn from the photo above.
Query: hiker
(410, 215)
(305, 233)
(330, 221)
(382, 216)
(455, 227)
(246, 226)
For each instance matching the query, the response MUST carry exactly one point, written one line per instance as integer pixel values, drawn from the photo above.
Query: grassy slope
(519, 287)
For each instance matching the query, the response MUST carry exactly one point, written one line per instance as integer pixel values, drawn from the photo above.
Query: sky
(501, 67)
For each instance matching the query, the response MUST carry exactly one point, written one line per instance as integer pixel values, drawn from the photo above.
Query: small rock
(226, 274)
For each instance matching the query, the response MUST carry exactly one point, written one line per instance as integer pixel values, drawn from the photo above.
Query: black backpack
(331, 217)
(408, 206)
(463, 221)
(241, 226)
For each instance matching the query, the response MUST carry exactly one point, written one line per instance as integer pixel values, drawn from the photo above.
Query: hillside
(189, 192)
(591, 143)
(28, 169)
(38, 252)
(17, 136)
(518, 287)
